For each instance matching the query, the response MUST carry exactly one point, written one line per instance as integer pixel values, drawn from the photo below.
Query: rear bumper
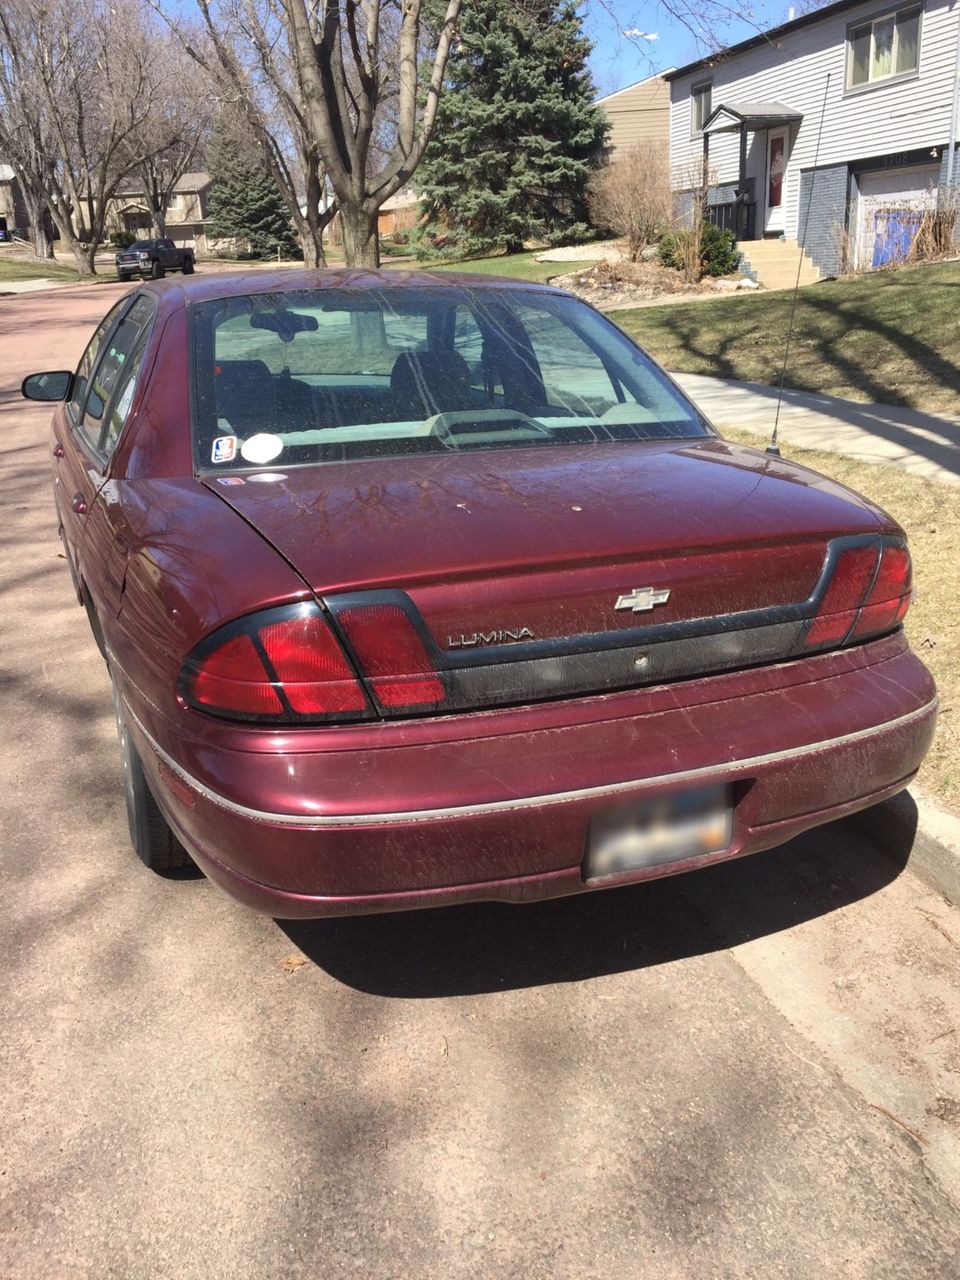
(394, 817)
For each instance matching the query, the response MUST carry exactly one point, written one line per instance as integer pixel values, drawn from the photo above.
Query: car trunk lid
(578, 568)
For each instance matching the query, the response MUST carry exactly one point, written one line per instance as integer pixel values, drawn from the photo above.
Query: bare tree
(176, 131)
(344, 79)
(22, 137)
(632, 196)
(241, 46)
(83, 81)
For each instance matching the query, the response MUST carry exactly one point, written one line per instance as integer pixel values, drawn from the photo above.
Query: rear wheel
(188, 267)
(157, 272)
(123, 276)
(154, 843)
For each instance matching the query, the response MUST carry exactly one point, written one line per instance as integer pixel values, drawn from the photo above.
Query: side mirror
(47, 386)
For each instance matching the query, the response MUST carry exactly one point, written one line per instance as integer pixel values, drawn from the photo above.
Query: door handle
(57, 450)
(79, 504)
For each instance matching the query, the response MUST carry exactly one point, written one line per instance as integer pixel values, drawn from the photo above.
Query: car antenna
(774, 446)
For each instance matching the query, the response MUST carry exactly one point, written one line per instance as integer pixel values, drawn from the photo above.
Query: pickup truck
(153, 258)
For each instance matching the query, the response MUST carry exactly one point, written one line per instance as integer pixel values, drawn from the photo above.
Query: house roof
(405, 198)
(657, 75)
(188, 182)
(766, 37)
(193, 181)
(755, 115)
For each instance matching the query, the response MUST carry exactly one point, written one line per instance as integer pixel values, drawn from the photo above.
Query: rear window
(319, 376)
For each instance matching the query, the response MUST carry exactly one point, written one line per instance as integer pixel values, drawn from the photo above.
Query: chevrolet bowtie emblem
(642, 599)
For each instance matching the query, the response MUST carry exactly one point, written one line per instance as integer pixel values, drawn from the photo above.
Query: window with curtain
(887, 46)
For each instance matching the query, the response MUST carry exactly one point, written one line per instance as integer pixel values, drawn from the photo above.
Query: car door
(77, 473)
(105, 543)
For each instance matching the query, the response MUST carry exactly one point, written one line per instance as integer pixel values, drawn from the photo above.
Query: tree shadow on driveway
(488, 947)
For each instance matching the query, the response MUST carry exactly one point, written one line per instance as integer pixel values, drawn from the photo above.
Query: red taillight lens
(852, 575)
(232, 678)
(890, 595)
(862, 598)
(392, 656)
(311, 666)
(284, 664)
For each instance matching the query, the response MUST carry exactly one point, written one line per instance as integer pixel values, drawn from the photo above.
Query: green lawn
(16, 268)
(892, 337)
(517, 266)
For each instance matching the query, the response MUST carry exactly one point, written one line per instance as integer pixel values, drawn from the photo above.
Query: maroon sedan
(419, 590)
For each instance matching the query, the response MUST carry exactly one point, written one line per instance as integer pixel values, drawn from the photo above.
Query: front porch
(753, 201)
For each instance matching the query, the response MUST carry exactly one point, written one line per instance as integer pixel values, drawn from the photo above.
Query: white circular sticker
(266, 477)
(261, 448)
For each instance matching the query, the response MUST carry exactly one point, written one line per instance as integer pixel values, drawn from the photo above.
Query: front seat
(427, 382)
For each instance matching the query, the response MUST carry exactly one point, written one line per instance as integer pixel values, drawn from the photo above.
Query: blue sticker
(224, 449)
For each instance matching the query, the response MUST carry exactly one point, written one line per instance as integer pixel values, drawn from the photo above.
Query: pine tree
(245, 202)
(518, 133)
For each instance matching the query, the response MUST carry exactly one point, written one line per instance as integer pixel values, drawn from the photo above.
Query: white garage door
(890, 190)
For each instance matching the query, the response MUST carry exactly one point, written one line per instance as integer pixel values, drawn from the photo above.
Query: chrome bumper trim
(715, 771)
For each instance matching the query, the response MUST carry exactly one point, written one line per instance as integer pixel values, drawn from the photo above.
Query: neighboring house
(398, 214)
(186, 214)
(842, 114)
(11, 204)
(639, 113)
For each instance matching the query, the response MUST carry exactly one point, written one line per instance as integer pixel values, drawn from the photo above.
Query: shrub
(122, 239)
(632, 197)
(704, 250)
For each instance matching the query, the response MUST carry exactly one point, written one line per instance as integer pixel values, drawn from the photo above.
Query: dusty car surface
(416, 590)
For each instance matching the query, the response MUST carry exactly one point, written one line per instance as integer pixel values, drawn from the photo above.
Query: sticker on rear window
(261, 448)
(229, 479)
(224, 449)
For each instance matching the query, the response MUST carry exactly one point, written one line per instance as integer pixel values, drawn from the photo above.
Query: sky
(620, 59)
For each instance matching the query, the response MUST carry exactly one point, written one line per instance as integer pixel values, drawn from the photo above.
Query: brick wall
(823, 193)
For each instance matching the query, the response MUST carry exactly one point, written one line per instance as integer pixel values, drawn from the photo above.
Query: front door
(777, 143)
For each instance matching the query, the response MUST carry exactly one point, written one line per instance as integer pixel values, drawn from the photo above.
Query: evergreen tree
(518, 133)
(245, 202)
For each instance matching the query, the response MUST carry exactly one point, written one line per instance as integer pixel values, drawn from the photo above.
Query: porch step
(774, 263)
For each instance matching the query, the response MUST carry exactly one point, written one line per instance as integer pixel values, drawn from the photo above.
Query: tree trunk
(91, 255)
(36, 212)
(80, 256)
(361, 244)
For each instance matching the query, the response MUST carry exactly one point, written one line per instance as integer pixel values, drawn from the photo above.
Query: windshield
(332, 374)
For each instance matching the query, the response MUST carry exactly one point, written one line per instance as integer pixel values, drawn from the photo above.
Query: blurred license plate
(649, 833)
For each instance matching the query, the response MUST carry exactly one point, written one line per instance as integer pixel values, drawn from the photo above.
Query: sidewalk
(921, 443)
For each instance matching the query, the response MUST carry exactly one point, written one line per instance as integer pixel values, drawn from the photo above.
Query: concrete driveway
(752, 1072)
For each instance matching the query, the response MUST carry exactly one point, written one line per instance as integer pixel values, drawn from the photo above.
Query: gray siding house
(843, 114)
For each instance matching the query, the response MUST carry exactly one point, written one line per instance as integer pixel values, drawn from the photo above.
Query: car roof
(200, 288)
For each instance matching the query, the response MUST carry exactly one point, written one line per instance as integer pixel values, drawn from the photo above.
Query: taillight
(280, 665)
(889, 598)
(868, 593)
(392, 656)
(292, 665)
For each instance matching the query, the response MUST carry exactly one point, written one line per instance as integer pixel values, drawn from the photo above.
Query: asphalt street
(751, 1072)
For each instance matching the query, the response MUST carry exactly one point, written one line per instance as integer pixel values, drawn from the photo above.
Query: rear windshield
(301, 378)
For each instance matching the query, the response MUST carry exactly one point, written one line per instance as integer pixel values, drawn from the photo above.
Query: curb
(931, 834)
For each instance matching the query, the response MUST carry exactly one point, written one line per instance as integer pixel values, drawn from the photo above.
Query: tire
(157, 272)
(123, 276)
(153, 842)
(188, 267)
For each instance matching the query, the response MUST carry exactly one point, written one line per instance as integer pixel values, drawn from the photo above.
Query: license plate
(650, 833)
